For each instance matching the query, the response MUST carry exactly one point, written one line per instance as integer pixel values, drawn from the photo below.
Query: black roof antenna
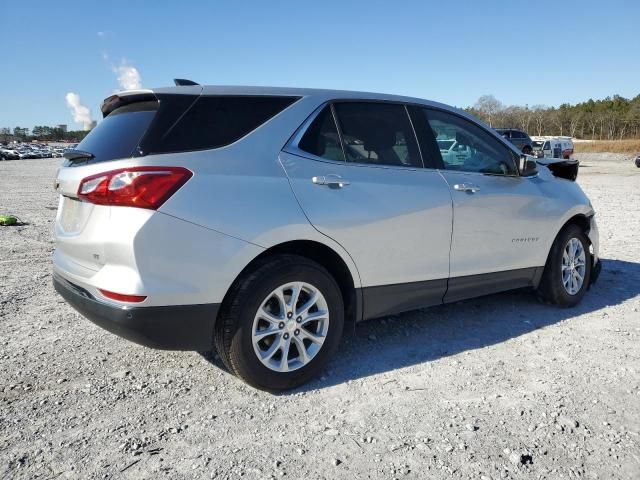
(182, 82)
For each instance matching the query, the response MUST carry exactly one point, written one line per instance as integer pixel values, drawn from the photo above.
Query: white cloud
(128, 76)
(81, 114)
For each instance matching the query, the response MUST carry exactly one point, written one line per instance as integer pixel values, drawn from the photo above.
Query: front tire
(567, 273)
(281, 324)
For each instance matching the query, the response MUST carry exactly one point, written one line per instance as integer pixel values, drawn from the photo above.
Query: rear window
(179, 123)
(118, 135)
(213, 122)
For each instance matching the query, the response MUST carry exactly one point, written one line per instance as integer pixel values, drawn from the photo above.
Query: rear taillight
(142, 187)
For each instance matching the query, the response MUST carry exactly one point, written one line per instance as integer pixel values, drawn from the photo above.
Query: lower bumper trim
(172, 327)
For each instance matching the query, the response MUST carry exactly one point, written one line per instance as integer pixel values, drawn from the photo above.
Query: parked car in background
(9, 154)
(553, 147)
(25, 151)
(265, 221)
(517, 137)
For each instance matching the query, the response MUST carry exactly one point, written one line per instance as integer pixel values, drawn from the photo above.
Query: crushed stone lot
(495, 387)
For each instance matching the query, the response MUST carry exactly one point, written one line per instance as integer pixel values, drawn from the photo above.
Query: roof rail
(182, 82)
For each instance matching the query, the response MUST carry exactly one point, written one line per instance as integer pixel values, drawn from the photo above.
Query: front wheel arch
(550, 288)
(583, 222)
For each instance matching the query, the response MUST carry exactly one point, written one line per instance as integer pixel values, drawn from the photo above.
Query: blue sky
(523, 52)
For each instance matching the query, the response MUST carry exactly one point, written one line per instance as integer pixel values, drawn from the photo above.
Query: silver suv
(264, 222)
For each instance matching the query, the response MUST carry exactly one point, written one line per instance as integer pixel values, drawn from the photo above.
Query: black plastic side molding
(384, 300)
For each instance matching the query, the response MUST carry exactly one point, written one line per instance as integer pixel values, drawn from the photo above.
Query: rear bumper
(173, 327)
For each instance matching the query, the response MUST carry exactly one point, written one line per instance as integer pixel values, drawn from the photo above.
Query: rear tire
(281, 323)
(567, 273)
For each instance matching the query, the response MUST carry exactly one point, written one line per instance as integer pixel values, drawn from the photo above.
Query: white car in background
(452, 151)
(552, 147)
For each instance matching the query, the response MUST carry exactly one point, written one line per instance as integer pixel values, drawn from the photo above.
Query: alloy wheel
(290, 326)
(573, 266)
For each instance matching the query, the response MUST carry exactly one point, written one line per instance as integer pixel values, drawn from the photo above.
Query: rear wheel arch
(324, 256)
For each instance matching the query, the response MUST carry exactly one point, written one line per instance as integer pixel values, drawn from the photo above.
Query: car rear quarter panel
(237, 204)
(242, 190)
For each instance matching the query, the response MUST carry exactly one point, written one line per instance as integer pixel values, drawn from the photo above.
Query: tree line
(42, 134)
(613, 118)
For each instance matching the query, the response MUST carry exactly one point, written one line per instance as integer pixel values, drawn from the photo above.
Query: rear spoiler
(123, 98)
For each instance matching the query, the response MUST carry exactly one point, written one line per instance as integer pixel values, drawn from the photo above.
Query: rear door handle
(331, 181)
(466, 187)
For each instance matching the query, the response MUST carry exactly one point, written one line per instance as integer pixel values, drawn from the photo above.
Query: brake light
(123, 298)
(141, 187)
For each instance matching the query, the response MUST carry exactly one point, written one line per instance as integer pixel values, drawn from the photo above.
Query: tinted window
(321, 138)
(429, 149)
(474, 149)
(118, 135)
(216, 121)
(377, 133)
(446, 144)
(516, 134)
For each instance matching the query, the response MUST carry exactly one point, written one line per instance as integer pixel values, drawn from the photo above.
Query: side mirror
(527, 166)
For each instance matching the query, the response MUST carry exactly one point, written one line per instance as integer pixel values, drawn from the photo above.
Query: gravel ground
(496, 387)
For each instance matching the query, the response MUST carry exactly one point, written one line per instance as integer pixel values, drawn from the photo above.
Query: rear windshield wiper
(78, 155)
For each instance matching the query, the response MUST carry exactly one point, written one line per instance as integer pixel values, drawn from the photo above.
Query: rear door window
(321, 138)
(378, 134)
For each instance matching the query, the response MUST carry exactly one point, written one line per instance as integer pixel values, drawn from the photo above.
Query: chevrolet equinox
(264, 222)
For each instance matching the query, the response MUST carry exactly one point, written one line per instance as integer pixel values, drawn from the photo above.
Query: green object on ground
(6, 220)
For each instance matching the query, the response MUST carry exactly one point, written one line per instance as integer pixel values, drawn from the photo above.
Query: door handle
(331, 181)
(466, 187)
